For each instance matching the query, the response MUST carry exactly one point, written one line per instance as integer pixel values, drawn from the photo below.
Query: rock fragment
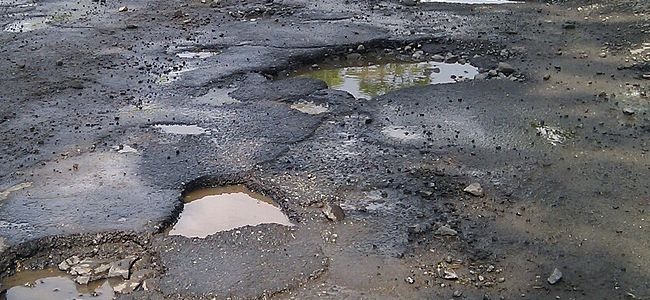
(449, 275)
(475, 189)
(121, 268)
(505, 68)
(333, 212)
(445, 230)
(409, 280)
(123, 9)
(555, 277)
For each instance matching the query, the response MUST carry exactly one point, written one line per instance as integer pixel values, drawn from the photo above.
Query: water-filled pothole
(181, 129)
(372, 79)
(211, 210)
(52, 284)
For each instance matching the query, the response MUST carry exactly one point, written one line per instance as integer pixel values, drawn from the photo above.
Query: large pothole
(211, 210)
(369, 78)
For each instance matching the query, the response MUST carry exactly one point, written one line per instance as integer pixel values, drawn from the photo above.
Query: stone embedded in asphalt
(450, 275)
(361, 48)
(437, 58)
(446, 231)
(457, 294)
(123, 9)
(333, 212)
(121, 268)
(505, 68)
(555, 277)
(409, 280)
(628, 111)
(475, 189)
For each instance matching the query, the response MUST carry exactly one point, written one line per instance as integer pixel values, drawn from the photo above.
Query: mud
(554, 127)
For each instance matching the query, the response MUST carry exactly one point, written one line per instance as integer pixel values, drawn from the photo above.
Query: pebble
(409, 280)
(457, 294)
(475, 189)
(628, 111)
(555, 277)
(361, 48)
(450, 275)
(446, 231)
(333, 212)
(123, 9)
(505, 68)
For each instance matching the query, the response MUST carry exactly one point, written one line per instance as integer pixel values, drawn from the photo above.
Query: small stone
(437, 58)
(315, 66)
(475, 189)
(493, 73)
(361, 48)
(63, 266)
(450, 58)
(628, 111)
(82, 279)
(59, 62)
(555, 277)
(490, 268)
(603, 55)
(121, 268)
(569, 25)
(73, 260)
(501, 279)
(450, 275)
(409, 280)
(457, 294)
(123, 9)
(333, 212)
(547, 76)
(481, 76)
(505, 68)
(445, 231)
(126, 287)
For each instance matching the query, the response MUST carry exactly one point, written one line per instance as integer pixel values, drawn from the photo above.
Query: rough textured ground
(91, 79)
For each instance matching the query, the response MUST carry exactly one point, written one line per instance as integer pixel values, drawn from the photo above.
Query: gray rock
(450, 275)
(437, 58)
(445, 230)
(333, 212)
(555, 277)
(481, 76)
(628, 111)
(475, 189)
(126, 287)
(450, 58)
(73, 260)
(505, 68)
(63, 266)
(409, 280)
(457, 294)
(121, 268)
(361, 48)
(82, 279)
(493, 73)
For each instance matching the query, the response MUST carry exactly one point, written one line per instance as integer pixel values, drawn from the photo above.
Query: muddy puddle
(378, 78)
(211, 210)
(181, 129)
(52, 285)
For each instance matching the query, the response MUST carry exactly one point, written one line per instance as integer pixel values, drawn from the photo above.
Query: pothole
(372, 79)
(211, 210)
(181, 129)
(51, 284)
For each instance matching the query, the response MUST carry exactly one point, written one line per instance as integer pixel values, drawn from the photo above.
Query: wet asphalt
(93, 79)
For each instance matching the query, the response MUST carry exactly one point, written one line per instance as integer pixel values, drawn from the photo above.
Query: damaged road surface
(294, 149)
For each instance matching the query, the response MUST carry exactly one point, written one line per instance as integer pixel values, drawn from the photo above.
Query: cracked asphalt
(82, 79)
